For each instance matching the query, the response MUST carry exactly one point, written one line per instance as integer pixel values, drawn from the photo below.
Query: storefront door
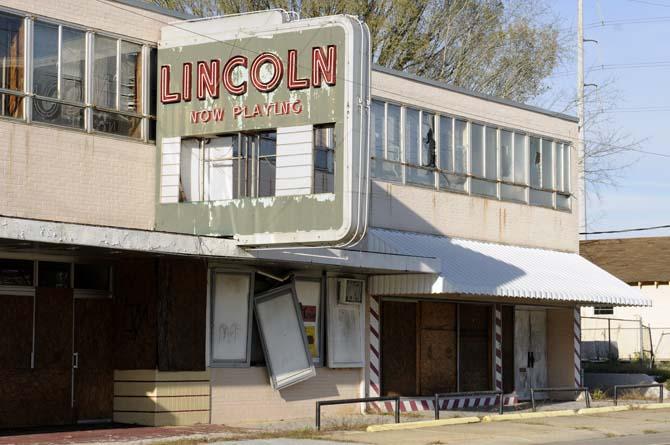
(530, 356)
(92, 366)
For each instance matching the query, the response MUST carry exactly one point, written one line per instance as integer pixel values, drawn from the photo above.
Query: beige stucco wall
(418, 209)
(626, 334)
(102, 15)
(424, 210)
(245, 394)
(60, 175)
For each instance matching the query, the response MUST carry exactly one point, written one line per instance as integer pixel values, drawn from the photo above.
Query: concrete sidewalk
(575, 429)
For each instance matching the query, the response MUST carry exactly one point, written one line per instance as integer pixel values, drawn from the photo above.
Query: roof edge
(456, 89)
(141, 4)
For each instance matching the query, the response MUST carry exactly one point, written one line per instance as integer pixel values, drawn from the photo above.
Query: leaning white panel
(281, 328)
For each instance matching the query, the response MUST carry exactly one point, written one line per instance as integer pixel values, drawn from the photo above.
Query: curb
(422, 424)
(652, 406)
(604, 409)
(523, 416)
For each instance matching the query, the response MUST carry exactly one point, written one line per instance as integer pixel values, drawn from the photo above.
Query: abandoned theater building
(227, 219)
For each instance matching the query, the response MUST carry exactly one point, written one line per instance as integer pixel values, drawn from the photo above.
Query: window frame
(146, 118)
(230, 363)
(468, 176)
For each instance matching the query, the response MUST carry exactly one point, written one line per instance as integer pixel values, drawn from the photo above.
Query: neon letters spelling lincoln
(209, 76)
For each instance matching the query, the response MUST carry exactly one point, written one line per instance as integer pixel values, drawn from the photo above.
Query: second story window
(117, 86)
(59, 55)
(458, 155)
(12, 37)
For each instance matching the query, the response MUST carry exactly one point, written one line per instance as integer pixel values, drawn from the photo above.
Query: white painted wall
(627, 334)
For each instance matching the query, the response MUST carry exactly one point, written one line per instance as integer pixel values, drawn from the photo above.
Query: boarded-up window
(398, 348)
(231, 318)
(437, 348)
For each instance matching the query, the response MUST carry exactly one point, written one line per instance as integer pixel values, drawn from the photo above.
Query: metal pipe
(321, 403)
(644, 385)
(584, 389)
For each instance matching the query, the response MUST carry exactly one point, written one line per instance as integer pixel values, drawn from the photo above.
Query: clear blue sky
(642, 197)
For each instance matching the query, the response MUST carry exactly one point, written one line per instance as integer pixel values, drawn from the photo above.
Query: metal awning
(489, 269)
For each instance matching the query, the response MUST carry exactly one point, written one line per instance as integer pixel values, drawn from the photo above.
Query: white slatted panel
(190, 169)
(294, 160)
(170, 156)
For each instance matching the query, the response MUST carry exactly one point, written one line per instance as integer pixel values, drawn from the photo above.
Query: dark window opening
(92, 277)
(16, 273)
(53, 274)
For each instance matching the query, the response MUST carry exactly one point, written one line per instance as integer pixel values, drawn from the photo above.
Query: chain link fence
(605, 338)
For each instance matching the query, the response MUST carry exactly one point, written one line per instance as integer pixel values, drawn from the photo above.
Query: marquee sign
(284, 80)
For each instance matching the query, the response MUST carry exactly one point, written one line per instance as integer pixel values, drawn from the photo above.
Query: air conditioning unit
(350, 291)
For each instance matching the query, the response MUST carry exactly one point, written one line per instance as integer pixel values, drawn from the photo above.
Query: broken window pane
(535, 163)
(520, 158)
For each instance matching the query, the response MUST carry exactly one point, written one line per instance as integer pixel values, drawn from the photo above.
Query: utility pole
(581, 180)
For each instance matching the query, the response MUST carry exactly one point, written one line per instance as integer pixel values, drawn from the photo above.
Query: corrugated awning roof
(482, 268)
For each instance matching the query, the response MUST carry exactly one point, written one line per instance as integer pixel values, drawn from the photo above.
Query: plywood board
(438, 361)
(398, 348)
(476, 359)
(16, 324)
(508, 348)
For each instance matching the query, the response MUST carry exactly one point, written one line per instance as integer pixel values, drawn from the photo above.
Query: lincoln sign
(263, 129)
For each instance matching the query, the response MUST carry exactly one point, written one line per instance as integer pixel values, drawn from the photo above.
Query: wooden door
(398, 348)
(93, 372)
(437, 348)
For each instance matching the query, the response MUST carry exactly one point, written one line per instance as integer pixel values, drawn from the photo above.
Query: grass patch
(586, 428)
(650, 432)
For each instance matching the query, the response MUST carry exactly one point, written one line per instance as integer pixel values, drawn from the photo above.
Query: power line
(645, 2)
(617, 66)
(463, 113)
(637, 229)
